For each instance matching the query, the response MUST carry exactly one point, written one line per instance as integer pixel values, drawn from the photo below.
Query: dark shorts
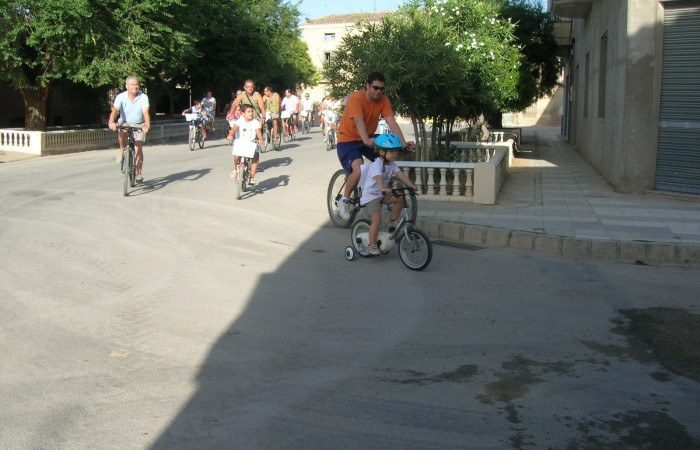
(350, 151)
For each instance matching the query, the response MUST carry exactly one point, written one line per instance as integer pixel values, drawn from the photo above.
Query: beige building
(323, 36)
(633, 90)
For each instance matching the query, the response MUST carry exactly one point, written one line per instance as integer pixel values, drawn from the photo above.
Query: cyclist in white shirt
(209, 105)
(307, 106)
(290, 103)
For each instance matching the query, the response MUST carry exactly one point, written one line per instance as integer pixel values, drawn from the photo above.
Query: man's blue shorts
(350, 151)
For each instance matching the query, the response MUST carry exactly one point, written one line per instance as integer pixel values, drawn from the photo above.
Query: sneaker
(119, 157)
(344, 209)
(251, 182)
(374, 250)
(139, 179)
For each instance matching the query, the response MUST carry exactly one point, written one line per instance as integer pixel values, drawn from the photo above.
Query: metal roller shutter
(678, 147)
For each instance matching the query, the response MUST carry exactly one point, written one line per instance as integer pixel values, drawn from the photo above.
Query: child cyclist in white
(248, 129)
(377, 188)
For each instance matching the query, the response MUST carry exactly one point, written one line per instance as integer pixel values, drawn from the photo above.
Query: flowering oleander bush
(443, 60)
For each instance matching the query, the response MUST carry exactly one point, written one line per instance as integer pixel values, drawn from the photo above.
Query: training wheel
(349, 253)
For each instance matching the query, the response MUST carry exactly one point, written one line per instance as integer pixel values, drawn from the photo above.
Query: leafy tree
(93, 42)
(257, 39)
(443, 59)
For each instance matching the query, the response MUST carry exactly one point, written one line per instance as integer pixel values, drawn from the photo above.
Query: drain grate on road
(462, 245)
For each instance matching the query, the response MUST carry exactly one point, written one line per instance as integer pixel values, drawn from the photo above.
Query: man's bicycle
(288, 125)
(195, 136)
(305, 122)
(272, 138)
(415, 248)
(129, 157)
(335, 191)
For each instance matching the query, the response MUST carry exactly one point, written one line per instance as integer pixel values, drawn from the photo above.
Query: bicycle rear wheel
(277, 139)
(335, 191)
(200, 140)
(415, 249)
(411, 202)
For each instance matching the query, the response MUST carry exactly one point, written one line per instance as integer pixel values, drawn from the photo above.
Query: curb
(638, 252)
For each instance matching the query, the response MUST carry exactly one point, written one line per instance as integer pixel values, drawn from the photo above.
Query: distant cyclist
(209, 105)
(356, 132)
(201, 120)
(272, 108)
(307, 106)
(132, 107)
(290, 103)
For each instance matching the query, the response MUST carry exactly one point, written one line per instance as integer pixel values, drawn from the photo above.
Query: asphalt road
(179, 317)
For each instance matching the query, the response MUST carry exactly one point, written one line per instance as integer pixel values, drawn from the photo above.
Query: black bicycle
(195, 135)
(270, 136)
(129, 158)
(335, 190)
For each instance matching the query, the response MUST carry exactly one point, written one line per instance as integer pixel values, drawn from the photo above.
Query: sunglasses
(377, 88)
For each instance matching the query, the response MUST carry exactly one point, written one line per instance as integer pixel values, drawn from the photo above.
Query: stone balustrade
(70, 141)
(476, 179)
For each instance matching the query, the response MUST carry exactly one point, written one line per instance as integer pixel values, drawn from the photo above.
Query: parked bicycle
(415, 248)
(195, 136)
(129, 158)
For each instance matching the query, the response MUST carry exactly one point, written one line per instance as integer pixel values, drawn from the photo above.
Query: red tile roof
(335, 19)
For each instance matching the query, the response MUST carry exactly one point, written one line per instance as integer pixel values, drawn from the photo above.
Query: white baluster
(431, 181)
(469, 184)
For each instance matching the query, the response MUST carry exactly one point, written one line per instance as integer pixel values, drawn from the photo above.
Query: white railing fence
(69, 141)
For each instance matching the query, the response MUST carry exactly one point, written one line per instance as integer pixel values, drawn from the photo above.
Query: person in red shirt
(356, 132)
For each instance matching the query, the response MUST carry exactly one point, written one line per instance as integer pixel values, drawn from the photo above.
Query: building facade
(633, 91)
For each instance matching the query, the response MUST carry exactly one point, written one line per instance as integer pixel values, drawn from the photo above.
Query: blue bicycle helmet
(388, 141)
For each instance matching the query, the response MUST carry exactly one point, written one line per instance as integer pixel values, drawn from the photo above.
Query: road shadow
(265, 185)
(155, 184)
(272, 163)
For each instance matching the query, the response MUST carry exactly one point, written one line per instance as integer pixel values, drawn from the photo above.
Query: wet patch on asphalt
(667, 336)
(460, 375)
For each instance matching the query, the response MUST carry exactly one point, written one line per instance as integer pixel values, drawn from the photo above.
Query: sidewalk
(553, 200)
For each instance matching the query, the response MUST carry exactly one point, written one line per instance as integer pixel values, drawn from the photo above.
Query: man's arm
(236, 102)
(261, 104)
(146, 119)
(112, 122)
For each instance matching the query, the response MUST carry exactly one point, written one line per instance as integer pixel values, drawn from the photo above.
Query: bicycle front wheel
(335, 191)
(192, 138)
(415, 249)
(240, 181)
(126, 170)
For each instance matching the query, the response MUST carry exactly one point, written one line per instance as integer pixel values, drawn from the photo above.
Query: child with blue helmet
(377, 188)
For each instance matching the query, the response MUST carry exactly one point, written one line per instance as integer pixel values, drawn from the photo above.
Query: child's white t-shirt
(246, 130)
(370, 190)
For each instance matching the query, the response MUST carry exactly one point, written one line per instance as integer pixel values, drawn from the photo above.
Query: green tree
(443, 60)
(92, 42)
(257, 39)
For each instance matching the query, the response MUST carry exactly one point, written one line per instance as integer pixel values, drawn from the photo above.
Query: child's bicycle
(245, 152)
(415, 248)
(195, 135)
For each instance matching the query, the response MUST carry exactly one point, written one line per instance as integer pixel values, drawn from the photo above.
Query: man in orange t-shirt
(356, 132)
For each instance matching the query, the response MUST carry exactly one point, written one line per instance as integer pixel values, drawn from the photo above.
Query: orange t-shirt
(358, 105)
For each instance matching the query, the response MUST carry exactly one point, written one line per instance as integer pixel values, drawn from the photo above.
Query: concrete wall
(621, 144)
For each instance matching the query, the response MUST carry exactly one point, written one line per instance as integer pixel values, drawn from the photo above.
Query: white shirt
(246, 130)
(307, 105)
(370, 190)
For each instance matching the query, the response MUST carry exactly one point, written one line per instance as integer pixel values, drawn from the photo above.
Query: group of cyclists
(249, 109)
